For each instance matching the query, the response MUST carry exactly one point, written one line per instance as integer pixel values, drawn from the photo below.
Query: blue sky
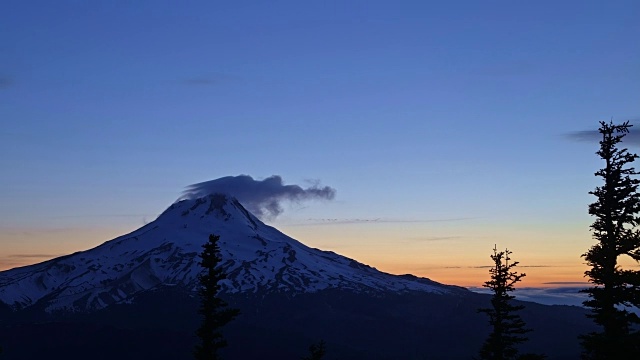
(446, 121)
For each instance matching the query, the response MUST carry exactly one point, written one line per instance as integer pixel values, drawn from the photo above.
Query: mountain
(256, 257)
(134, 297)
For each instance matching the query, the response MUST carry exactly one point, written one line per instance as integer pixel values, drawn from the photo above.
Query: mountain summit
(164, 253)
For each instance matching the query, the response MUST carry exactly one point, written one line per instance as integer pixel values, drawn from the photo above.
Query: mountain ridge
(256, 257)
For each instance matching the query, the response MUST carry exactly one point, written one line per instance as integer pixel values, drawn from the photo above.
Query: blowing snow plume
(262, 197)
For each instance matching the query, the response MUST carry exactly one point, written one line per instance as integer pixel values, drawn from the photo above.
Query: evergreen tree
(508, 327)
(316, 351)
(616, 211)
(213, 309)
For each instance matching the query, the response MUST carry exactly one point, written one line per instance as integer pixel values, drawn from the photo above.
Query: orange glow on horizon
(476, 277)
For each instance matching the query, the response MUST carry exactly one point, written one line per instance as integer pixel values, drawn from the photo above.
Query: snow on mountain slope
(165, 252)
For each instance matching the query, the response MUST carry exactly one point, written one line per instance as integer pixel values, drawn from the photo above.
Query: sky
(444, 128)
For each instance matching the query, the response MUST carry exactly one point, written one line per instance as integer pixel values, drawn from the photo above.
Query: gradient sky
(442, 125)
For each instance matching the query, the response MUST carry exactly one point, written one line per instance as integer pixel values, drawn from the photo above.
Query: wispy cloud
(548, 296)
(99, 216)
(33, 256)
(536, 266)
(509, 69)
(349, 221)
(583, 283)
(632, 138)
(436, 267)
(519, 266)
(17, 260)
(207, 79)
(36, 231)
(432, 238)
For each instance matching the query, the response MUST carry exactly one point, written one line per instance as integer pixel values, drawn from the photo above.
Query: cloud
(509, 69)
(535, 266)
(35, 231)
(519, 266)
(346, 221)
(36, 256)
(548, 296)
(99, 216)
(17, 260)
(262, 197)
(201, 81)
(581, 283)
(207, 80)
(433, 238)
(632, 138)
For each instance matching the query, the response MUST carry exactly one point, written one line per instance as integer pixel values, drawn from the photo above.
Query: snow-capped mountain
(257, 257)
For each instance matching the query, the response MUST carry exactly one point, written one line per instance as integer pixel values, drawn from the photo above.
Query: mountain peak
(256, 257)
(222, 206)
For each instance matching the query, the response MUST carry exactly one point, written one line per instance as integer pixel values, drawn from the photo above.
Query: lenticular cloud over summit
(262, 197)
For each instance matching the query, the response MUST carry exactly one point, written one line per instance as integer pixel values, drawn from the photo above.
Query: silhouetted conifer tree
(616, 211)
(213, 309)
(508, 328)
(316, 351)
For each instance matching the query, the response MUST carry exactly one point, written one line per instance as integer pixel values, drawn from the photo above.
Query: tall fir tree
(614, 289)
(214, 310)
(508, 328)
